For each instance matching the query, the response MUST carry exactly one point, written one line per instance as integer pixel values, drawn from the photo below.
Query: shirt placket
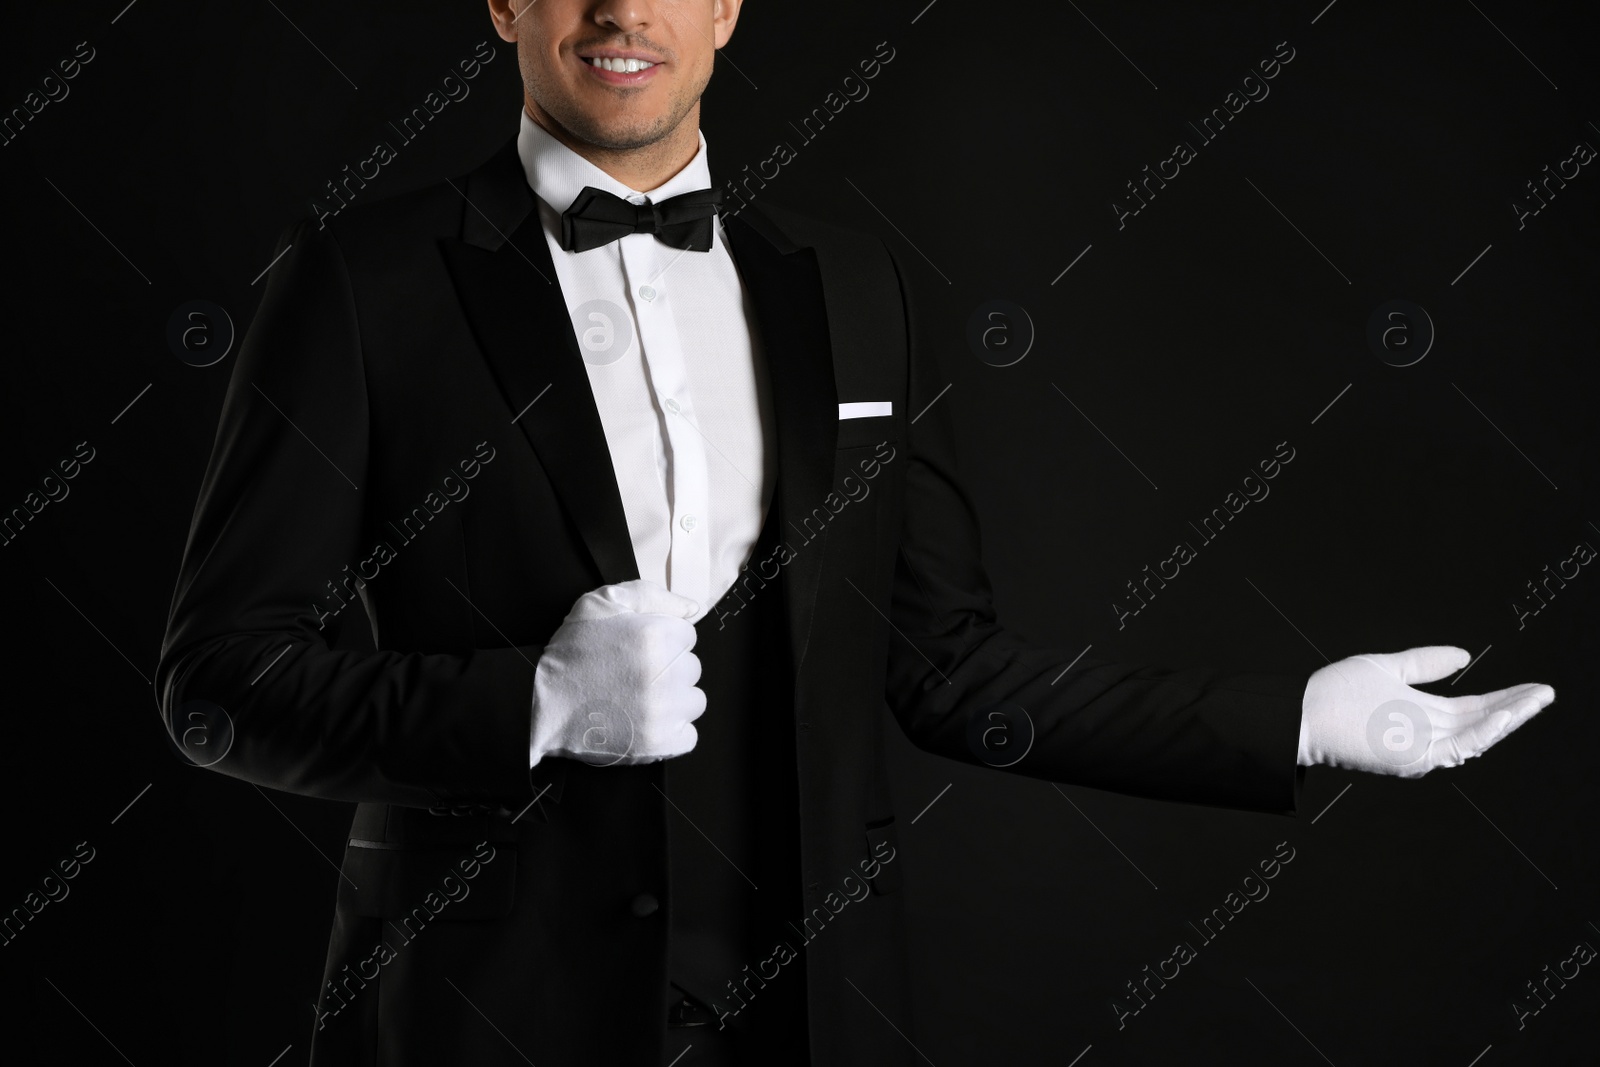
(689, 557)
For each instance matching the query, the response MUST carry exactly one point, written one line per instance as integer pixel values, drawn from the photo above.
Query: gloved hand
(616, 683)
(1362, 714)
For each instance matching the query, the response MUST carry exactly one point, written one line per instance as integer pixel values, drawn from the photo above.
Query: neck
(642, 168)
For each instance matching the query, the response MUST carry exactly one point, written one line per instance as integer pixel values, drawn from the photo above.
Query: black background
(1195, 338)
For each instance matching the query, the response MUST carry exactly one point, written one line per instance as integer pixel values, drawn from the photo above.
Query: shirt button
(647, 292)
(688, 522)
(672, 406)
(643, 905)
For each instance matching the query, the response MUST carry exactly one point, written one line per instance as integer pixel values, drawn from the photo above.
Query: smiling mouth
(617, 65)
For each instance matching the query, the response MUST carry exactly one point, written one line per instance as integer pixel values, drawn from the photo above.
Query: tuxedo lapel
(506, 283)
(507, 286)
(785, 287)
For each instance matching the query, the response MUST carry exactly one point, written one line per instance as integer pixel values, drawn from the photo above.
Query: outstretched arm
(962, 686)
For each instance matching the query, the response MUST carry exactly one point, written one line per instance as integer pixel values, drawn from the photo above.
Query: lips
(615, 67)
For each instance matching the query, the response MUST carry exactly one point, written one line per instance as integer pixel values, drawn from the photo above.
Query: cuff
(1305, 758)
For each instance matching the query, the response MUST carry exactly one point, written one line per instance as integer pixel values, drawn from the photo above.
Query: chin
(621, 133)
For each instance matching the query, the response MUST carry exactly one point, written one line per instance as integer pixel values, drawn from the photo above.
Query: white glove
(616, 683)
(1361, 714)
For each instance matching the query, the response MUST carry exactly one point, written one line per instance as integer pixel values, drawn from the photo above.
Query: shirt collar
(557, 174)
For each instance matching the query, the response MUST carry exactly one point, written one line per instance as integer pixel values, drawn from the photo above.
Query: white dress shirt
(673, 362)
(668, 341)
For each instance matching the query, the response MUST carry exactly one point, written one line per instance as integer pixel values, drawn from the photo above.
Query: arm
(279, 517)
(1193, 734)
(1238, 740)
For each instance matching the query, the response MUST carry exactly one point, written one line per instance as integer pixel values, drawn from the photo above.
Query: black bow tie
(597, 218)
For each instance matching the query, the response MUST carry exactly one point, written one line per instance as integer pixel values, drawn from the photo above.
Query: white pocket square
(866, 409)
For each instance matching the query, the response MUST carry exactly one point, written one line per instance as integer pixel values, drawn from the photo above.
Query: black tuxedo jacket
(409, 421)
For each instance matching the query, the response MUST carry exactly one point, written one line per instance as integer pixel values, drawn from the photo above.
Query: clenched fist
(616, 683)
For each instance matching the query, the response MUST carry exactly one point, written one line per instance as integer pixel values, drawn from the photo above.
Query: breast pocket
(451, 882)
(868, 430)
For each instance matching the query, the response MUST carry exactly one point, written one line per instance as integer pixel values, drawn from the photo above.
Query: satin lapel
(507, 287)
(785, 287)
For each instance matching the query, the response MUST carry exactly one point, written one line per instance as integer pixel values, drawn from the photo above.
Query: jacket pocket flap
(459, 882)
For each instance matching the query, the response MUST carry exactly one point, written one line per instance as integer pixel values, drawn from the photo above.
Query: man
(652, 511)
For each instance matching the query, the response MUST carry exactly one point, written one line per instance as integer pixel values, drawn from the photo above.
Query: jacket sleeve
(962, 686)
(247, 659)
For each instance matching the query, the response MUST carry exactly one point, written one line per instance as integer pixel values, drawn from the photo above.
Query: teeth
(621, 66)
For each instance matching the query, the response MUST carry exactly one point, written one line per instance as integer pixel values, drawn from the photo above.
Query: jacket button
(644, 904)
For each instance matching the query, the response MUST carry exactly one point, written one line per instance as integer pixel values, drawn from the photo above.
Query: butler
(594, 795)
